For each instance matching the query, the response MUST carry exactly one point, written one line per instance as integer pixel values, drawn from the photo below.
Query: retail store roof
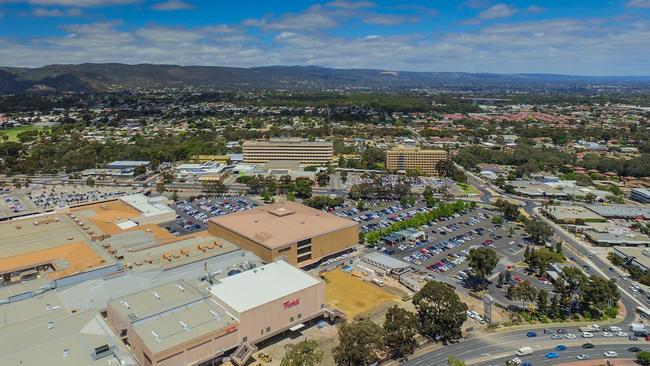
(255, 287)
(280, 224)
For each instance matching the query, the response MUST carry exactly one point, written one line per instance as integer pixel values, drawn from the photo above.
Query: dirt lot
(353, 296)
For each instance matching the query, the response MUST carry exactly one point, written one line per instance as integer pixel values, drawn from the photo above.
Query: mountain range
(113, 76)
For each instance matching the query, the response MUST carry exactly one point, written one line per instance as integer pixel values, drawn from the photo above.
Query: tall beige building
(403, 158)
(305, 152)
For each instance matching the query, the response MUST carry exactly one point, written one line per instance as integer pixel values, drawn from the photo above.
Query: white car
(615, 329)
(570, 336)
(587, 335)
(582, 356)
(607, 334)
(621, 334)
(610, 354)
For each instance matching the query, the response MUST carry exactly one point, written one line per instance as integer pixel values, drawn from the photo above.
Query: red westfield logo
(290, 303)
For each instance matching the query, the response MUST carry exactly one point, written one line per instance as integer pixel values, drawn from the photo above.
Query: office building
(299, 233)
(425, 161)
(302, 151)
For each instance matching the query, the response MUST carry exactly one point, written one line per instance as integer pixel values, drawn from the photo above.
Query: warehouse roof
(623, 211)
(280, 224)
(53, 341)
(618, 239)
(255, 287)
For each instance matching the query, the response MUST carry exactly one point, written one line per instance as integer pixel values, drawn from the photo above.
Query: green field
(13, 132)
(468, 188)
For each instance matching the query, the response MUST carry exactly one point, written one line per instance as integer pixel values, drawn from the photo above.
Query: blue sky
(544, 36)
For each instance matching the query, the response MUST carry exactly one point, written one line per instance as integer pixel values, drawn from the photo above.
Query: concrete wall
(254, 322)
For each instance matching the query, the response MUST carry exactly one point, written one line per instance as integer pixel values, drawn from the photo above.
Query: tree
(440, 312)
(538, 230)
(540, 259)
(89, 182)
(643, 357)
(400, 329)
(558, 247)
(359, 342)
(304, 353)
(510, 210)
(322, 178)
(497, 220)
(524, 291)
(542, 301)
(482, 261)
(160, 187)
(361, 205)
(174, 196)
(599, 293)
(303, 187)
(446, 168)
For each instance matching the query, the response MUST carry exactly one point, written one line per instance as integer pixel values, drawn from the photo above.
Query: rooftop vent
(126, 304)
(281, 211)
(181, 288)
(155, 294)
(50, 325)
(263, 236)
(187, 329)
(155, 336)
(66, 352)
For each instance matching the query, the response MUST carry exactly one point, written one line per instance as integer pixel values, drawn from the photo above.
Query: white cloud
(638, 4)
(350, 4)
(48, 12)
(77, 3)
(173, 5)
(498, 11)
(388, 19)
(315, 17)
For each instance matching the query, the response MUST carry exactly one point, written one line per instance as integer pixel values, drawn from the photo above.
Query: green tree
(599, 293)
(361, 205)
(542, 302)
(160, 187)
(359, 343)
(303, 187)
(538, 231)
(643, 358)
(482, 261)
(524, 291)
(440, 312)
(540, 259)
(400, 329)
(510, 210)
(304, 353)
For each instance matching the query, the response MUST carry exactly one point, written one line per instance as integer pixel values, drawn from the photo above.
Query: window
(245, 339)
(322, 306)
(299, 316)
(268, 329)
(262, 331)
(304, 257)
(304, 250)
(291, 320)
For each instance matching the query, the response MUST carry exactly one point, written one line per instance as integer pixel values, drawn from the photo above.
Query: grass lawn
(468, 188)
(13, 132)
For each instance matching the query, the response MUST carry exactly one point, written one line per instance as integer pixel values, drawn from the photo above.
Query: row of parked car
(14, 204)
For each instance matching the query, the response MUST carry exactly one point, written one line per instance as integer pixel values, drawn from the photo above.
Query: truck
(525, 351)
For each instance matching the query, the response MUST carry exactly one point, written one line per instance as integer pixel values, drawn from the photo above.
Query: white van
(525, 351)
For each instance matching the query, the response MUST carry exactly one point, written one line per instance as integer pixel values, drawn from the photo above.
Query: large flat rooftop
(255, 287)
(280, 224)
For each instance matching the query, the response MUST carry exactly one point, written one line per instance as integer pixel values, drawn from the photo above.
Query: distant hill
(113, 76)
